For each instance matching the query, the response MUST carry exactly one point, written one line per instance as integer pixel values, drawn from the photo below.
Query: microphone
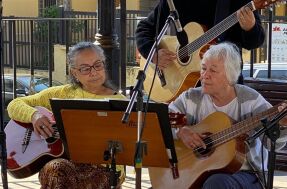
(180, 33)
(174, 12)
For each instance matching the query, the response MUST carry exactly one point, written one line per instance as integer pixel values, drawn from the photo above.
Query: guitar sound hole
(205, 152)
(183, 56)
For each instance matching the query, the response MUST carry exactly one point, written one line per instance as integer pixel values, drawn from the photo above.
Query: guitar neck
(242, 127)
(213, 32)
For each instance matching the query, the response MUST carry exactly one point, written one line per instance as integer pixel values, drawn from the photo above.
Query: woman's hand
(42, 125)
(191, 139)
(164, 59)
(246, 18)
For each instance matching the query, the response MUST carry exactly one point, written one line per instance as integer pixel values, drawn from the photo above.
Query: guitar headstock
(177, 120)
(261, 4)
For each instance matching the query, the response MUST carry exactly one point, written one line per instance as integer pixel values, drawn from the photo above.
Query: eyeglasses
(85, 70)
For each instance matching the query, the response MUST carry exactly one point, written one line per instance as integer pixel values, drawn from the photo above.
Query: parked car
(24, 87)
(260, 70)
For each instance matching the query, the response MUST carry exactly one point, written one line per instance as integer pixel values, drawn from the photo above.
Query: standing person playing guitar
(197, 17)
(208, 156)
(88, 79)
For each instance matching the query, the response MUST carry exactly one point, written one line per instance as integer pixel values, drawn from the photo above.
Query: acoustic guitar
(225, 151)
(184, 72)
(27, 153)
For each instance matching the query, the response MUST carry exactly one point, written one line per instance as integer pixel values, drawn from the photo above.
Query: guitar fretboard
(242, 127)
(211, 33)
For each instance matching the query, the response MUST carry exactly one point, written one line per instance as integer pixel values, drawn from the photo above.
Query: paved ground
(280, 181)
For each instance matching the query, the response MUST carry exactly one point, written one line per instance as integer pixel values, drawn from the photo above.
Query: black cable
(154, 75)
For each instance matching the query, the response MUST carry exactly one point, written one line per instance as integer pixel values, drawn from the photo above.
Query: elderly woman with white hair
(220, 68)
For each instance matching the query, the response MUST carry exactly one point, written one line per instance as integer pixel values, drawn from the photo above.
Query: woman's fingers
(165, 57)
(197, 141)
(246, 18)
(191, 139)
(42, 125)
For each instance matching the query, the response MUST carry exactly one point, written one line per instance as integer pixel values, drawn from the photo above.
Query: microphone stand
(2, 133)
(272, 130)
(137, 94)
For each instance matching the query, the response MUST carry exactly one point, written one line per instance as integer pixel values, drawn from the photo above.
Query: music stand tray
(88, 127)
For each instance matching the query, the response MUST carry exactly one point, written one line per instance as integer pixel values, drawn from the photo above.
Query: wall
(59, 73)
(86, 5)
(25, 8)
(132, 4)
(92, 5)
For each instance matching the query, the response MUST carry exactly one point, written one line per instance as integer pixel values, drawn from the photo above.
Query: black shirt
(205, 12)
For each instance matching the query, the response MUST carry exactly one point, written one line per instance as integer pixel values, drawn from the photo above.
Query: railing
(27, 42)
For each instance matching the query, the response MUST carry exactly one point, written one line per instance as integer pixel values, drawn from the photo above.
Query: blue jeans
(238, 180)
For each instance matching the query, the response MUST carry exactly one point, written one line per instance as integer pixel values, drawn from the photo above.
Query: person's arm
(254, 37)
(283, 132)
(191, 139)
(22, 108)
(146, 35)
(248, 33)
(262, 105)
(146, 28)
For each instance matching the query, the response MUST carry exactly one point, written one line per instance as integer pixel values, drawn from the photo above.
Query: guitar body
(178, 77)
(38, 152)
(194, 170)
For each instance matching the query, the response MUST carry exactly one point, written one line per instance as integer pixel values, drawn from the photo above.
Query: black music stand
(91, 131)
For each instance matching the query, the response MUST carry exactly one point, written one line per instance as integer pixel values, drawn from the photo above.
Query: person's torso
(202, 12)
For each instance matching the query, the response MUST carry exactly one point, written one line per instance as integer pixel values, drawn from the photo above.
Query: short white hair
(229, 54)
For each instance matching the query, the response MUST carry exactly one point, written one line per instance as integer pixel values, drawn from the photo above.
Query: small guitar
(184, 73)
(27, 153)
(225, 150)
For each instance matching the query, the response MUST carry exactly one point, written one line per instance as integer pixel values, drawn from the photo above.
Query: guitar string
(248, 122)
(235, 128)
(210, 34)
(221, 139)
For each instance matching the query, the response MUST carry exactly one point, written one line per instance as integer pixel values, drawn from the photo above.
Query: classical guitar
(225, 151)
(27, 153)
(184, 72)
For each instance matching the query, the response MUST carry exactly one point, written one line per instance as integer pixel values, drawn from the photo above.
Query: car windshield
(40, 83)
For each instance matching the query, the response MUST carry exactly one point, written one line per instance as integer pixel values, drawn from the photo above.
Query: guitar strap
(221, 12)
